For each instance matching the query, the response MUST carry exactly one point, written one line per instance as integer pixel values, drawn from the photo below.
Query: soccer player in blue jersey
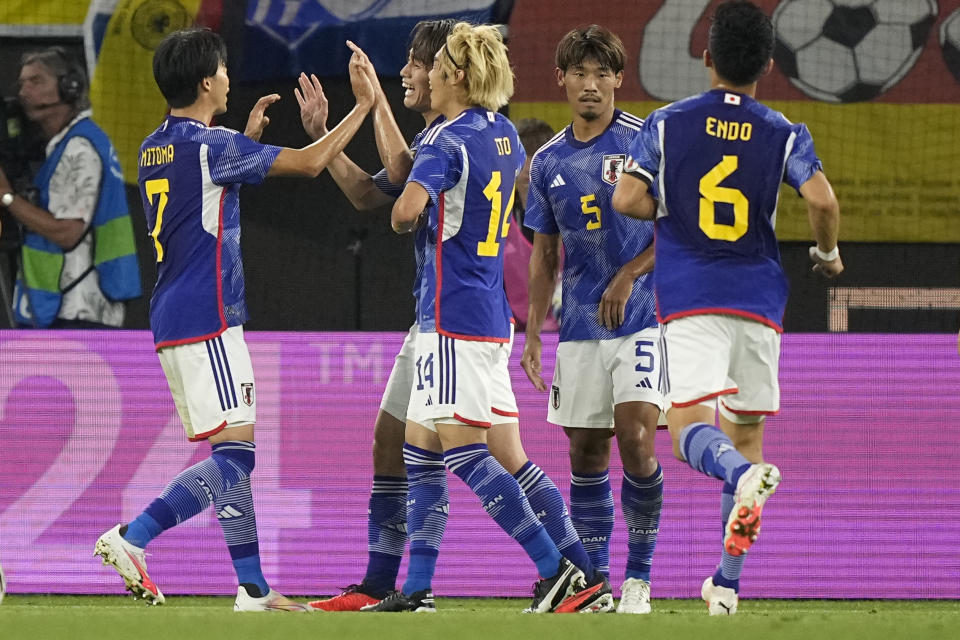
(607, 376)
(709, 169)
(463, 175)
(190, 177)
(387, 511)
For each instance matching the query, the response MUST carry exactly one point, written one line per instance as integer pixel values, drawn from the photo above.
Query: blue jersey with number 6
(189, 177)
(468, 166)
(716, 162)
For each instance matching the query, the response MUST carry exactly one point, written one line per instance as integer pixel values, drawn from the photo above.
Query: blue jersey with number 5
(468, 166)
(189, 178)
(716, 162)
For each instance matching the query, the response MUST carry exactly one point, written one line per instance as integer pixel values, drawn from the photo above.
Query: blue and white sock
(503, 500)
(386, 533)
(641, 499)
(709, 451)
(428, 504)
(591, 512)
(728, 573)
(236, 516)
(193, 490)
(548, 505)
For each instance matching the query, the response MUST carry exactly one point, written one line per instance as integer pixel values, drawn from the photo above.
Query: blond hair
(479, 52)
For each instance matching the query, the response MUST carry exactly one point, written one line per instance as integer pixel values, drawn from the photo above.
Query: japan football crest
(612, 167)
(246, 391)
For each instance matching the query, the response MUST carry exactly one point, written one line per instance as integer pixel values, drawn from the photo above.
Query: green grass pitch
(105, 617)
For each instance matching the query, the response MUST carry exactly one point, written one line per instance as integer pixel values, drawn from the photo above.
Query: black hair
(182, 60)
(591, 42)
(741, 42)
(427, 37)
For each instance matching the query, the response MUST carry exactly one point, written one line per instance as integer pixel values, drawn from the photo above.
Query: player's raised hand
(368, 68)
(827, 268)
(314, 106)
(613, 303)
(530, 361)
(258, 119)
(360, 81)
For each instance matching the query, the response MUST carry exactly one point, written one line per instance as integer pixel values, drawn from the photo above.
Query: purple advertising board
(869, 506)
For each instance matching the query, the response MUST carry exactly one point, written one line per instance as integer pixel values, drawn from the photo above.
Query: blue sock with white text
(591, 512)
(728, 573)
(548, 505)
(710, 451)
(428, 504)
(641, 499)
(503, 500)
(386, 533)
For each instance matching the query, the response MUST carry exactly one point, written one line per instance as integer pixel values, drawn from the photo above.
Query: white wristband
(826, 256)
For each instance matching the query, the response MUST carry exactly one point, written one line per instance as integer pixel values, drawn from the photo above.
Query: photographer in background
(78, 261)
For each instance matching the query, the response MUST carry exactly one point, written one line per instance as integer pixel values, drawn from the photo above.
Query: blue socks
(548, 505)
(728, 573)
(386, 533)
(503, 500)
(591, 511)
(224, 480)
(709, 450)
(239, 524)
(427, 507)
(641, 499)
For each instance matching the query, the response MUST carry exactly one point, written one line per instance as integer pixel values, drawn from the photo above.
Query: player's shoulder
(625, 121)
(775, 118)
(548, 150)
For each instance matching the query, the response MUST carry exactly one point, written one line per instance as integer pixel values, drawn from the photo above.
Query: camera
(21, 153)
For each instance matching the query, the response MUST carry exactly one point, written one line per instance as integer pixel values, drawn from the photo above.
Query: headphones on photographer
(71, 83)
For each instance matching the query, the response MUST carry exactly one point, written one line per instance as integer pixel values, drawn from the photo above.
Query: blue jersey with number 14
(468, 166)
(716, 162)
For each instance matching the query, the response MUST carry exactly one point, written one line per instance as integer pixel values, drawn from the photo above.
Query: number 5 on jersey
(159, 187)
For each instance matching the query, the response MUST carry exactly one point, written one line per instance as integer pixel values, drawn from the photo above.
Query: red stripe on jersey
(177, 343)
(719, 311)
(750, 413)
(212, 432)
(436, 294)
(508, 414)
(460, 336)
(223, 317)
(472, 423)
(680, 405)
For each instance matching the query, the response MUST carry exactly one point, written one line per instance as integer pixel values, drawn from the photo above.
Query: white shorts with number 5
(725, 357)
(211, 383)
(591, 376)
(461, 382)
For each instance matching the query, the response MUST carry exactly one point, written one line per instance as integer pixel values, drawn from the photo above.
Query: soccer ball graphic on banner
(850, 50)
(950, 42)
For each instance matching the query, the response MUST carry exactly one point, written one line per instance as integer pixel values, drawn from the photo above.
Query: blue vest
(114, 250)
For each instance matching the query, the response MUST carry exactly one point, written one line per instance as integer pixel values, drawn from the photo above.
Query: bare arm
(408, 207)
(393, 149)
(314, 158)
(354, 182)
(632, 198)
(65, 232)
(544, 263)
(823, 211)
(613, 303)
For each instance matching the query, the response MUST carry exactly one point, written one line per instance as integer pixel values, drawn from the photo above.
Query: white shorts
(396, 397)
(592, 376)
(211, 383)
(710, 356)
(461, 382)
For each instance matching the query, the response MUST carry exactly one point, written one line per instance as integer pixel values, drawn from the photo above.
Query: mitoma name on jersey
(153, 156)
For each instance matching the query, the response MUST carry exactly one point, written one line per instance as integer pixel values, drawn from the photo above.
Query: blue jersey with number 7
(189, 177)
(468, 167)
(716, 161)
